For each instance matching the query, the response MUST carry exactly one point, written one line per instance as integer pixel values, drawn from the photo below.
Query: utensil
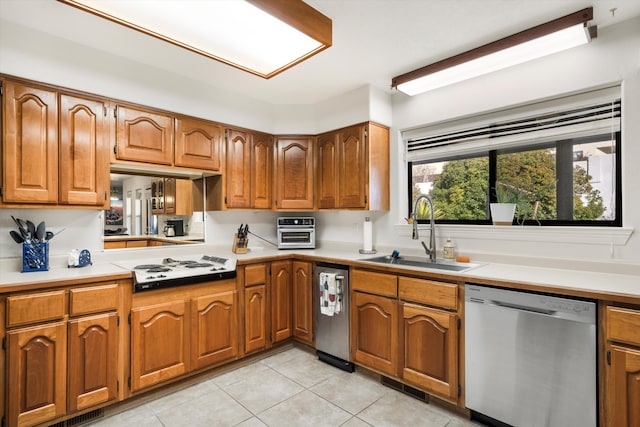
(16, 237)
(22, 227)
(49, 235)
(41, 231)
(31, 228)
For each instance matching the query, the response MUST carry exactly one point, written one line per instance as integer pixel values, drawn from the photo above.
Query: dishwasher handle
(524, 308)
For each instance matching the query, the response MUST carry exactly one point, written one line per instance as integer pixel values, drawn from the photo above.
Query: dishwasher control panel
(549, 305)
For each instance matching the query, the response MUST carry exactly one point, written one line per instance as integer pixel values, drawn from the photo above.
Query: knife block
(240, 244)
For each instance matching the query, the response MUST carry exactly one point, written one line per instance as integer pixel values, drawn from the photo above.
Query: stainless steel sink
(422, 262)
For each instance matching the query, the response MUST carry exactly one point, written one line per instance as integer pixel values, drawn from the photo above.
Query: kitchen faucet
(431, 250)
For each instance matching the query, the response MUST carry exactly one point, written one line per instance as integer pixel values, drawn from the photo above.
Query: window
(560, 164)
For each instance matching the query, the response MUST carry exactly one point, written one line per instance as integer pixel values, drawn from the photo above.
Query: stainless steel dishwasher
(332, 326)
(530, 359)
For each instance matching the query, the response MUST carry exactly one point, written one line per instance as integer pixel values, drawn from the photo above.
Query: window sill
(617, 236)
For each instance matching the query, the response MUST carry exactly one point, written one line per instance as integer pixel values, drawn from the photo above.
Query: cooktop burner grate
(148, 266)
(198, 265)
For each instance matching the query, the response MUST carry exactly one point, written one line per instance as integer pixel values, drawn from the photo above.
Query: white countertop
(601, 278)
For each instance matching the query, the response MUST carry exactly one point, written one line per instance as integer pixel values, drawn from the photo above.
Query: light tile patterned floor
(291, 388)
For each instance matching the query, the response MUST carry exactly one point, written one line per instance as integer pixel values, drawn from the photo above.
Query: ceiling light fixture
(262, 37)
(551, 37)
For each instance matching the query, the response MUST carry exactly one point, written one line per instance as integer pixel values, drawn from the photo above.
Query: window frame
(492, 157)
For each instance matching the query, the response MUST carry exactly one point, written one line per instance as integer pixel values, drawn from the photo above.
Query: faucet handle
(427, 250)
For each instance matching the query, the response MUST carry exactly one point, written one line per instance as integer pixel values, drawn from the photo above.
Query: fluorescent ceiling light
(263, 37)
(546, 39)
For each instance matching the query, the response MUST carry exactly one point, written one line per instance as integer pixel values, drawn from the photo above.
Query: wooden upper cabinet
(144, 136)
(294, 173)
(84, 152)
(327, 179)
(199, 144)
(261, 171)
(238, 173)
(30, 144)
(378, 167)
(353, 168)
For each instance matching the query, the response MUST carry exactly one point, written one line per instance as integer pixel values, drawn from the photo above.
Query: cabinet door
(374, 333)
(144, 136)
(30, 144)
(352, 168)
(303, 302)
(624, 387)
(169, 195)
(327, 177)
(238, 173)
(198, 144)
(93, 360)
(261, 171)
(157, 196)
(281, 319)
(294, 173)
(183, 197)
(255, 322)
(84, 152)
(214, 329)
(159, 343)
(430, 349)
(37, 375)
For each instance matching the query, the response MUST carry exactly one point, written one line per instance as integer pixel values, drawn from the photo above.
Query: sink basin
(422, 262)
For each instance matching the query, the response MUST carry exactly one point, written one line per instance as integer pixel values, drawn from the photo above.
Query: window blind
(589, 113)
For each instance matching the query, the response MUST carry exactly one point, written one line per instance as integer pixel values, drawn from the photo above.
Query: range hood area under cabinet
(343, 169)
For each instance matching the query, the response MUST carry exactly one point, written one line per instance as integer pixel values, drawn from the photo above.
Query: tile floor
(290, 388)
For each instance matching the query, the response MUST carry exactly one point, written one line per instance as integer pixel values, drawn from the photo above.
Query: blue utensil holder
(35, 256)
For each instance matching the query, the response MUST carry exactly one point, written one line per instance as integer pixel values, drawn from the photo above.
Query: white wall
(614, 56)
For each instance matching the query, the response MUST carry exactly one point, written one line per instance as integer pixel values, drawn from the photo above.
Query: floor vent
(397, 385)
(80, 419)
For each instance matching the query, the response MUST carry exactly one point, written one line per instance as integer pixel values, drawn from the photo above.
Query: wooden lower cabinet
(624, 387)
(374, 332)
(281, 310)
(622, 332)
(178, 330)
(37, 374)
(214, 329)
(159, 345)
(302, 294)
(255, 322)
(429, 340)
(93, 360)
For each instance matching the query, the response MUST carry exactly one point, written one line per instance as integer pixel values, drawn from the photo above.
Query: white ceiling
(373, 40)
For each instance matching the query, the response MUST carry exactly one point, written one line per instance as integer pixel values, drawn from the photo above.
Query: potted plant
(508, 197)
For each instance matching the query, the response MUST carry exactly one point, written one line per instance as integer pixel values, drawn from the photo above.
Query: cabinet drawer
(93, 299)
(255, 274)
(374, 283)
(428, 292)
(623, 325)
(32, 308)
